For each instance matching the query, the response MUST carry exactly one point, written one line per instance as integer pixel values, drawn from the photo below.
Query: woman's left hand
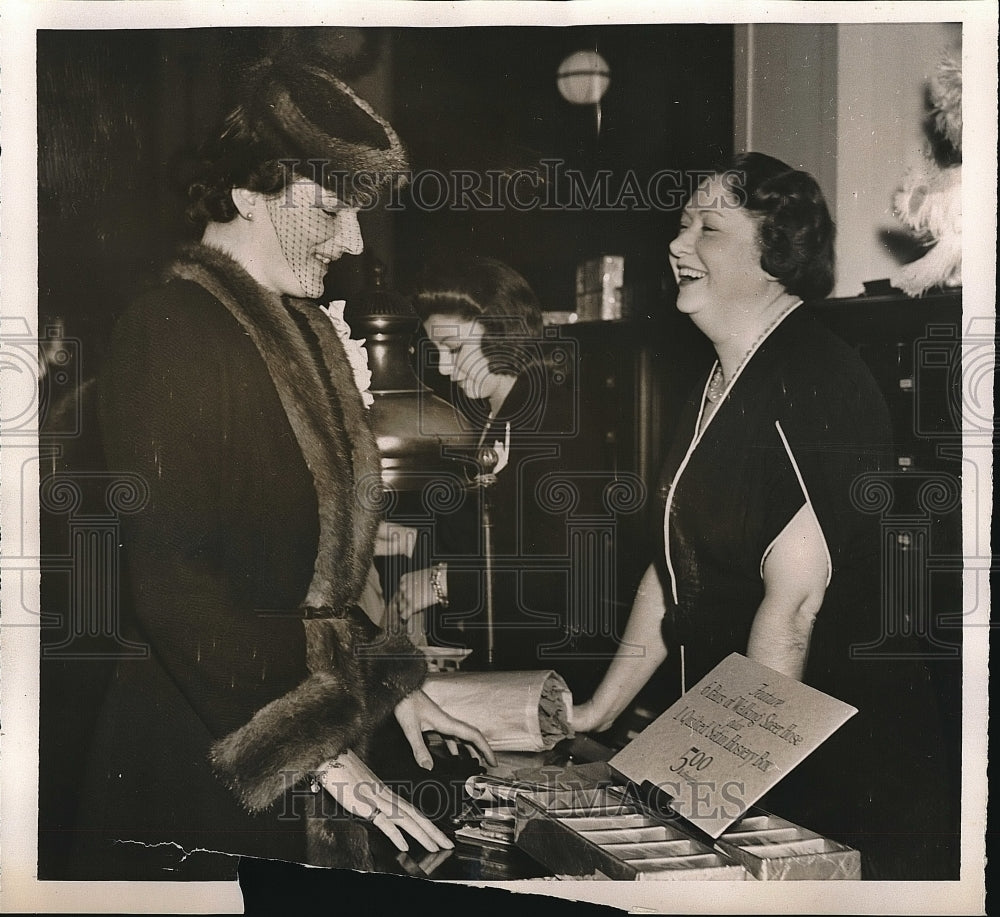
(417, 714)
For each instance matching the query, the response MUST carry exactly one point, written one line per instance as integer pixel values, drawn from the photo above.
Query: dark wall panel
(486, 98)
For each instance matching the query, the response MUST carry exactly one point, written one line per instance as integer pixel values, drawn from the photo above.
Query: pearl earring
(249, 215)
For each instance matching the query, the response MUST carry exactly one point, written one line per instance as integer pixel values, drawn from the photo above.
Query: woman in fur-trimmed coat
(229, 397)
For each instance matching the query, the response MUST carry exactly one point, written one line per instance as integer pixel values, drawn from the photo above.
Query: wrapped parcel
(516, 711)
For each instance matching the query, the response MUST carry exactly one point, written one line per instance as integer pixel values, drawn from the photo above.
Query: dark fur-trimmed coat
(242, 556)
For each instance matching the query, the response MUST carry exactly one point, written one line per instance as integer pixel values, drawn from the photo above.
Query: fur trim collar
(315, 384)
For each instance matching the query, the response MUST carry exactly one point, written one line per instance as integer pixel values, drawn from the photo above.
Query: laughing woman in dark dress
(768, 550)
(230, 395)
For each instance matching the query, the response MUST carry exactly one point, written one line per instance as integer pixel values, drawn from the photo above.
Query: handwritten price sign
(729, 739)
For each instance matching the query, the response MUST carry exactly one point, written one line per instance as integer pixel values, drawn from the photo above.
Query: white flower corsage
(494, 459)
(502, 450)
(357, 356)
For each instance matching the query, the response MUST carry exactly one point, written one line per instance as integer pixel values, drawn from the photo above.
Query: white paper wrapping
(516, 711)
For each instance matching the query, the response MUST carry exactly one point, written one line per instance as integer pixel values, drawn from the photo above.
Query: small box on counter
(600, 289)
(559, 317)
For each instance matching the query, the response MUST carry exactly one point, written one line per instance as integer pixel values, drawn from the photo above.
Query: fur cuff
(287, 740)
(359, 674)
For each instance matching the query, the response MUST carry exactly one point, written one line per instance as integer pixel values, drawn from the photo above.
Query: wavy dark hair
(294, 119)
(223, 163)
(795, 230)
(491, 292)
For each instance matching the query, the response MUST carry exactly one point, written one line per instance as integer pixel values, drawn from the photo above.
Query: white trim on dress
(808, 503)
(699, 432)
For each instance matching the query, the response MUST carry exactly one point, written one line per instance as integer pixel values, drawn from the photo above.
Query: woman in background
(485, 322)
(768, 551)
(229, 398)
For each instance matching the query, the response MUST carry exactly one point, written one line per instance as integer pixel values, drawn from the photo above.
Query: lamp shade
(583, 78)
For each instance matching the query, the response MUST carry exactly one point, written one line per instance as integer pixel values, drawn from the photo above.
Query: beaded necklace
(717, 384)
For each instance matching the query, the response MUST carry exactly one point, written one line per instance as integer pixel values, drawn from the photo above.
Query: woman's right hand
(351, 782)
(414, 593)
(417, 713)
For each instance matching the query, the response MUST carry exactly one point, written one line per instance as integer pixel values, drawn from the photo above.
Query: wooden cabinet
(631, 380)
(914, 348)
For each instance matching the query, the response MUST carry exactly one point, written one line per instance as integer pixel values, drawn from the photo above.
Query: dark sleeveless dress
(804, 421)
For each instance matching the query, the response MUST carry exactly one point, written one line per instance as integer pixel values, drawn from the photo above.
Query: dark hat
(300, 110)
(291, 109)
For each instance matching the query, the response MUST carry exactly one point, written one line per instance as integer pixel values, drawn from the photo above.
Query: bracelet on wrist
(439, 584)
(316, 777)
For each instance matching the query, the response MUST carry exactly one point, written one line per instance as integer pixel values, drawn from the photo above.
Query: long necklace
(717, 384)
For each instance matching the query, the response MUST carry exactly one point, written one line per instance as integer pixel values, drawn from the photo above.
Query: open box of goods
(603, 834)
(681, 794)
